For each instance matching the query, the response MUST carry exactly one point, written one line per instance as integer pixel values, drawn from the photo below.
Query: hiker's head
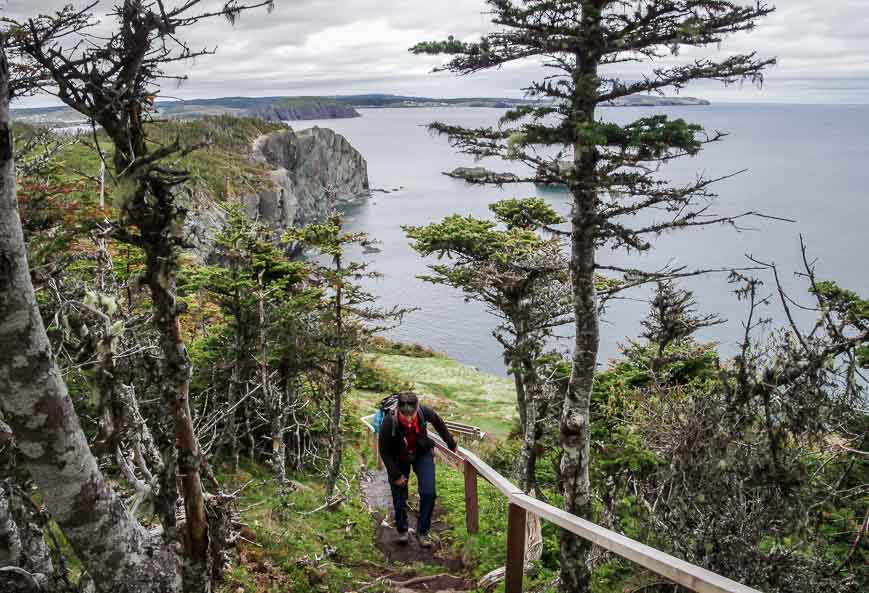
(407, 404)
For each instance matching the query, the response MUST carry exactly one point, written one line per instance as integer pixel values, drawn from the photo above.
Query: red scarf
(411, 429)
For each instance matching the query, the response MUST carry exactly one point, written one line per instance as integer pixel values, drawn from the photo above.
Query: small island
(481, 175)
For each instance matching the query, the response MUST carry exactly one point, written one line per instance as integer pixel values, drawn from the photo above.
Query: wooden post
(515, 549)
(472, 516)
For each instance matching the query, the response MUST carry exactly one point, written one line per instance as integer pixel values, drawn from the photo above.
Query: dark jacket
(391, 439)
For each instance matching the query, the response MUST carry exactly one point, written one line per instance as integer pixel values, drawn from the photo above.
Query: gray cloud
(354, 46)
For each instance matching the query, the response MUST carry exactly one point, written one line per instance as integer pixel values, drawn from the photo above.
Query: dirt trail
(376, 493)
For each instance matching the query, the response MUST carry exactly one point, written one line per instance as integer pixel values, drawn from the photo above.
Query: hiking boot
(425, 540)
(402, 538)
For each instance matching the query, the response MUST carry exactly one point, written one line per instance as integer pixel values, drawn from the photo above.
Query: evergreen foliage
(753, 466)
(619, 199)
(348, 318)
(521, 278)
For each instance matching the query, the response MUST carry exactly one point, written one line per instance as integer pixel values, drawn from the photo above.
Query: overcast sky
(328, 47)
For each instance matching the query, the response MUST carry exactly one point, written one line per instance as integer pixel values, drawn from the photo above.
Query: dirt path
(376, 494)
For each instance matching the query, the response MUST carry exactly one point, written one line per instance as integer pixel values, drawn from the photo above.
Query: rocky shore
(305, 165)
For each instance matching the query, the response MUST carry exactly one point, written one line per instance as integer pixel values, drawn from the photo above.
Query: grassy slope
(458, 391)
(226, 158)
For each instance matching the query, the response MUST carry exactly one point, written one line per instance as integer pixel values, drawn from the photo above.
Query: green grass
(285, 535)
(457, 391)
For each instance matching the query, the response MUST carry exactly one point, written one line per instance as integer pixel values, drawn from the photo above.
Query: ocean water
(809, 163)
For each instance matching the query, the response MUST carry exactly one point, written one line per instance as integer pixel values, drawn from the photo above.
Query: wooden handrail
(672, 568)
(467, 429)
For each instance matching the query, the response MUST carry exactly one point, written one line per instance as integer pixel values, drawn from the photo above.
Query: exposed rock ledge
(303, 166)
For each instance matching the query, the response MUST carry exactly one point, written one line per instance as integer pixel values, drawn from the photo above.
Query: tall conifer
(611, 170)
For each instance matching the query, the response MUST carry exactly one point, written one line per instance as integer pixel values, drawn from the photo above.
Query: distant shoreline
(319, 108)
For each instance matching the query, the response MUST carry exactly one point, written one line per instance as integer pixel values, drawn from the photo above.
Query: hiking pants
(424, 468)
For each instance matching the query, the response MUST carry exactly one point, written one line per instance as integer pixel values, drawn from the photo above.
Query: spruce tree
(346, 317)
(521, 278)
(254, 279)
(611, 170)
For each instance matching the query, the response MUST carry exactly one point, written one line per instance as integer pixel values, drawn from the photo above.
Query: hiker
(404, 443)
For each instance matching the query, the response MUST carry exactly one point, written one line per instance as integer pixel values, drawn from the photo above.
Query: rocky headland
(302, 168)
(305, 165)
(656, 101)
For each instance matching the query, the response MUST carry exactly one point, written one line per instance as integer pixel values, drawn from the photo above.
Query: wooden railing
(465, 429)
(520, 504)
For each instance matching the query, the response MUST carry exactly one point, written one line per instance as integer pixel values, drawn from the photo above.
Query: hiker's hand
(401, 482)
(454, 447)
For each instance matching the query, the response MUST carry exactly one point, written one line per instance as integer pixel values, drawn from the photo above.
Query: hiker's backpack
(387, 404)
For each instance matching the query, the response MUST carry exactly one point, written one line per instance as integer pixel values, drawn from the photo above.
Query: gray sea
(809, 163)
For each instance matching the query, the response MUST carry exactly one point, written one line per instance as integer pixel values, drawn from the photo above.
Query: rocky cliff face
(303, 166)
(315, 110)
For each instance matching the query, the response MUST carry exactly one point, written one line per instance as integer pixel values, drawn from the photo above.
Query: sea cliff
(304, 165)
(299, 169)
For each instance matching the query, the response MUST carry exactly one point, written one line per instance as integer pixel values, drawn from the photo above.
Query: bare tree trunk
(575, 427)
(272, 395)
(279, 447)
(521, 397)
(528, 453)
(160, 275)
(166, 500)
(532, 433)
(248, 428)
(527, 463)
(30, 527)
(231, 421)
(22, 543)
(337, 436)
(117, 552)
(575, 420)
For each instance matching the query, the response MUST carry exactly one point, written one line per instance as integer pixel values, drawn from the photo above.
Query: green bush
(371, 376)
(381, 345)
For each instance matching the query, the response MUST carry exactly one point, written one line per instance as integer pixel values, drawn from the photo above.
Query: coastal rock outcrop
(305, 165)
(303, 168)
(656, 101)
